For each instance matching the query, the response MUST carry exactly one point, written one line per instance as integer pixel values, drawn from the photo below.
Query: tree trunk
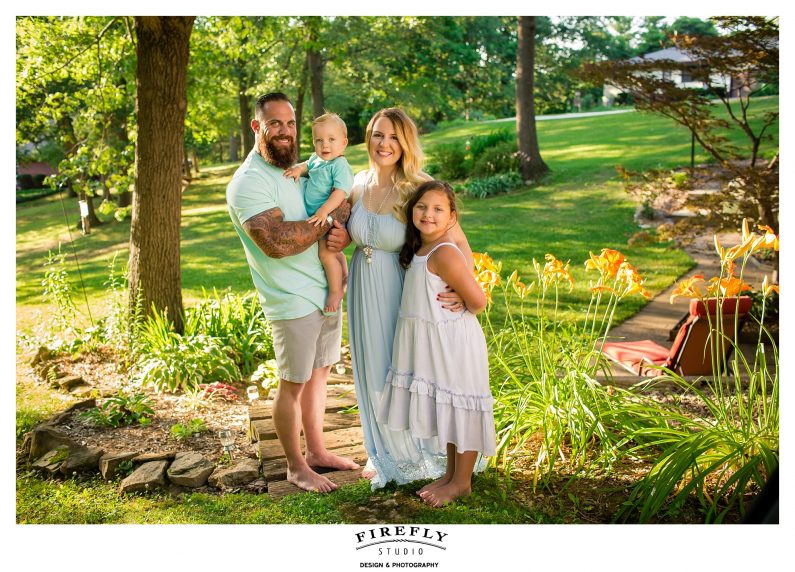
(246, 113)
(195, 156)
(234, 143)
(531, 163)
(299, 103)
(161, 76)
(315, 63)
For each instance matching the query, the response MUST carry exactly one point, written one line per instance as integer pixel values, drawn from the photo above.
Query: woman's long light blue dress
(374, 292)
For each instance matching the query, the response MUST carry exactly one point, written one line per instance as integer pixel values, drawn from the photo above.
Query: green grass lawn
(580, 206)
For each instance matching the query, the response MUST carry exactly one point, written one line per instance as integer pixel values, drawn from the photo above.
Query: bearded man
(267, 210)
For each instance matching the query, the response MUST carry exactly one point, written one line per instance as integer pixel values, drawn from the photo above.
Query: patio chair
(690, 353)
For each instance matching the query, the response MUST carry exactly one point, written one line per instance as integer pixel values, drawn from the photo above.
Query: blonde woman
(378, 228)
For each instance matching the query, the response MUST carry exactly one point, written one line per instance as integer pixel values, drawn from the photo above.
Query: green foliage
(121, 409)
(488, 186)
(267, 374)
(57, 291)
(479, 143)
(499, 158)
(449, 161)
(237, 322)
(171, 362)
(182, 432)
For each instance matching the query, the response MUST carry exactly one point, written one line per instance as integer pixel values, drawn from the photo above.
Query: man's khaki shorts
(306, 343)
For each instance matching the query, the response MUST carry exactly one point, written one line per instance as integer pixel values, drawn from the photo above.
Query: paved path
(343, 435)
(566, 115)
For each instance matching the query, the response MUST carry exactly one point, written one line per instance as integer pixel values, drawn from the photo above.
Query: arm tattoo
(278, 238)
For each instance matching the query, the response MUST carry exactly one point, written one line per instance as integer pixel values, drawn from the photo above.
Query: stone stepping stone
(281, 489)
(276, 469)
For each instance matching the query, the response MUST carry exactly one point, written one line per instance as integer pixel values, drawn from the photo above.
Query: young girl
(438, 383)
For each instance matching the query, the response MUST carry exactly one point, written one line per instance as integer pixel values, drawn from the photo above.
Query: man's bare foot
(446, 494)
(309, 480)
(434, 485)
(333, 301)
(330, 461)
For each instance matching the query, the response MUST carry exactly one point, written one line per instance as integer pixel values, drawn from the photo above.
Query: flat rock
(148, 476)
(109, 463)
(82, 460)
(42, 354)
(82, 390)
(52, 460)
(158, 456)
(45, 438)
(239, 474)
(79, 406)
(67, 382)
(190, 469)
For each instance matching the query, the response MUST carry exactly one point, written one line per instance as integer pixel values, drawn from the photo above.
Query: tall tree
(530, 161)
(154, 268)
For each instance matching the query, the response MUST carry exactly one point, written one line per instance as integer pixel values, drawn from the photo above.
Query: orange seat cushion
(630, 354)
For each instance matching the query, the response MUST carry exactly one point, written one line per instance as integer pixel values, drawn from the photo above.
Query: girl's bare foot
(434, 485)
(333, 301)
(330, 461)
(446, 494)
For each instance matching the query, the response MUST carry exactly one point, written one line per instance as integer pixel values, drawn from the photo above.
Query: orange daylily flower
(728, 287)
(601, 288)
(483, 261)
(769, 239)
(607, 263)
(554, 271)
(687, 288)
(768, 289)
(522, 290)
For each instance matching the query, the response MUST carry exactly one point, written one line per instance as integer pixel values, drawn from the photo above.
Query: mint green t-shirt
(289, 287)
(323, 177)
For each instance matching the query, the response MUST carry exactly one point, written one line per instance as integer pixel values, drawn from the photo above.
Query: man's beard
(280, 156)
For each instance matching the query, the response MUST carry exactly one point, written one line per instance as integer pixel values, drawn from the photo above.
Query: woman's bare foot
(434, 485)
(369, 473)
(330, 461)
(309, 480)
(446, 494)
(333, 301)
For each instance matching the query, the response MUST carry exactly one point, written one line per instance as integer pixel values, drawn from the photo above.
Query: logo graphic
(400, 534)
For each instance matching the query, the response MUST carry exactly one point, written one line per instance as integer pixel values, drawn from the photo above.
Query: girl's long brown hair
(413, 238)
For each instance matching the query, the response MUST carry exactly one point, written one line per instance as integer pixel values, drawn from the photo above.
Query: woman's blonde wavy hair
(407, 175)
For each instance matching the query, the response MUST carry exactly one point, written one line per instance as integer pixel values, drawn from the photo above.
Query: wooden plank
(343, 437)
(263, 429)
(260, 410)
(280, 489)
(335, 402)
(276, 469)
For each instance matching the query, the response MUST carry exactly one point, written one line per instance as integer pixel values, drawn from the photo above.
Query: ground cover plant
(513, 228)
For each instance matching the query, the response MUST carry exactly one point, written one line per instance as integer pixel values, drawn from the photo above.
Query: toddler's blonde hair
(326, 117)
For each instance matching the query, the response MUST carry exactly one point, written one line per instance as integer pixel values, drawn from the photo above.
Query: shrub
(501, 158)
(488, 186)
(238, 322)
(121, 409)
(26, 182)
(480, 143)
(171, 362)
(450, 161)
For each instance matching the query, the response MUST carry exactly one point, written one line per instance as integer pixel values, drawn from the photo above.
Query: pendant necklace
(368, 249)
